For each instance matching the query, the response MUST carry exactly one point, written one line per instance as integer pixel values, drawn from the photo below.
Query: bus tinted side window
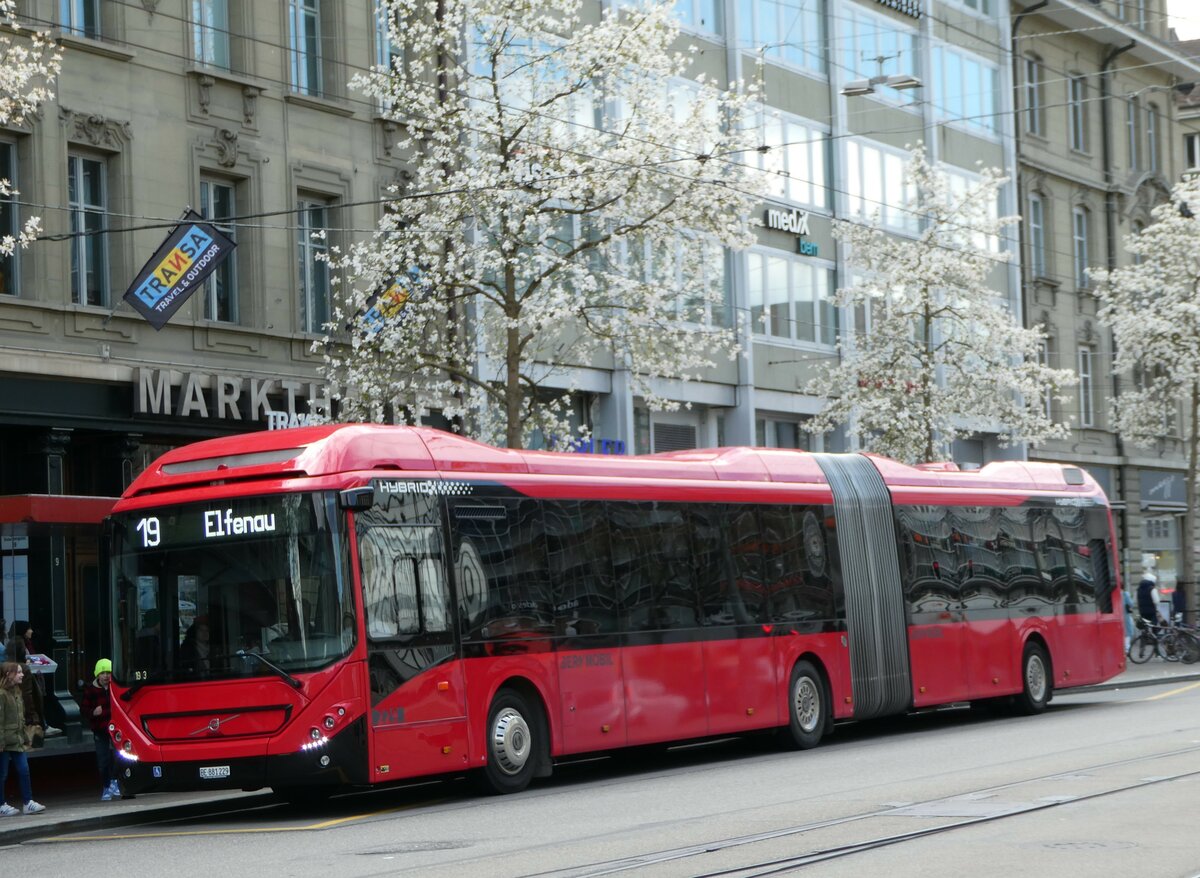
(928, 561)
(1100, 554)
(577, 543)
(501, 567)
(652, 564)
(797, 564)
(404, 586)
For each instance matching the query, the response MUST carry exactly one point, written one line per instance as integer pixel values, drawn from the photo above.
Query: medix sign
(228, 397)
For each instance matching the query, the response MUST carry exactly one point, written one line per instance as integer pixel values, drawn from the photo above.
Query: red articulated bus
(357, 604)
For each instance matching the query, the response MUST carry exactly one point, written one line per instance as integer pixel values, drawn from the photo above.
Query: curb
(19, 834)
(1128, 684)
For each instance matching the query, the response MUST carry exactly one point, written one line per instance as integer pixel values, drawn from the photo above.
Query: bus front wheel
(807, 706)
(1036, 680)
(513, 744)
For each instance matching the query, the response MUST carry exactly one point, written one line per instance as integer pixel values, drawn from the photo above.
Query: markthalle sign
(189, 255)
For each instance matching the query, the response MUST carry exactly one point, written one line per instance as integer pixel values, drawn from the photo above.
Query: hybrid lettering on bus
(353, 604)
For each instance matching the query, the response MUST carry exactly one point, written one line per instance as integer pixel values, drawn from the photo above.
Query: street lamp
(856, 87)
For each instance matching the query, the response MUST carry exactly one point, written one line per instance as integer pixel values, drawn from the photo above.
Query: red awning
(54, 509)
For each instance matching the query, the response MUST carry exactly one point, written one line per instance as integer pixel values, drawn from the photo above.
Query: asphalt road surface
(1103, 784)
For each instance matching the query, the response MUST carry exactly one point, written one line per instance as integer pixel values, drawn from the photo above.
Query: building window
(1138, 228)
(1087, 401)
(1141, 13)
(210, 32)
(81, 17)
(875, 186)
(686, 262)
(965, 89)
(699, 15)
(313, 217)
(1152, 157)
(983, 7)
(218, 202)
(1037, 236)
(87, 195)
(1035, 122)
(772, 433)
(1044, 360)
(9, 219)
(1077, 112)
(1191, 149)
(1079, 240)
(789, 33)
(1133, 132)
(795, 159)
(790, 298)
(868, 38)
(304, 24)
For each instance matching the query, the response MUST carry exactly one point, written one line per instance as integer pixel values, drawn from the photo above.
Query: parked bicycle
(1170, 643)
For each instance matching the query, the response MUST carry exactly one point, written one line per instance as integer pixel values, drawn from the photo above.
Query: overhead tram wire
(285, 84)
(652, 166)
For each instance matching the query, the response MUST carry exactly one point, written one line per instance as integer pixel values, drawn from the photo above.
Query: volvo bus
(350, 605)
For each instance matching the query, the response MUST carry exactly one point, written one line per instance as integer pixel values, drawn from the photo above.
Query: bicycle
(1171, 644)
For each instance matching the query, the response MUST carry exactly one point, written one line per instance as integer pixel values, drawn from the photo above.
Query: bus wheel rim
(1035, 678)
(511, 741)
(807, 704)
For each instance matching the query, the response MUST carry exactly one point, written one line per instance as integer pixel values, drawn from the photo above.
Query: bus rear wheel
(1036, 681)
(807, 706)
(514, 744)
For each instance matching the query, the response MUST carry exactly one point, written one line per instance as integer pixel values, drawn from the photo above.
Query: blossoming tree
(943, 357)
(569, 198)
(1153, 307)
(29, 64)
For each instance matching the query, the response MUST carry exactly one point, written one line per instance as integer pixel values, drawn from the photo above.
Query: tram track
(983, 801)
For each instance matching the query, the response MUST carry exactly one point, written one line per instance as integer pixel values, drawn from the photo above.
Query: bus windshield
(237, 587)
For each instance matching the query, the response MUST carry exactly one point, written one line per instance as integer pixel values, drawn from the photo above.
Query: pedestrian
(1130, 627)
(14, 739)
(1179, 605)
(1148, 601)
(31, 693)
(22, 633)
(97, 707)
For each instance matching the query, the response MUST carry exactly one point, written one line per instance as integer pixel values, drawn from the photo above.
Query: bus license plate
(212, 772)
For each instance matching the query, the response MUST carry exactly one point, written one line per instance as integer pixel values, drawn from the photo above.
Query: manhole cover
(1088, 846)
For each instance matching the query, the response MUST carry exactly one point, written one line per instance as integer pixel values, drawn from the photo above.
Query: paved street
(65, 783)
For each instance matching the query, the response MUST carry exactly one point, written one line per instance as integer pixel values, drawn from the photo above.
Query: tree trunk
(1187, 551)
(513, 428)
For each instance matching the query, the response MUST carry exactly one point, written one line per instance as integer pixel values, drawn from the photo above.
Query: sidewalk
(65, 782)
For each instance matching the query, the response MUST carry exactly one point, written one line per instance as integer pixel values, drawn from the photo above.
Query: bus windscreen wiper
(283, 675)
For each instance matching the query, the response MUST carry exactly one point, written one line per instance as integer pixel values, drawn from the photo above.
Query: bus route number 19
(150, 531)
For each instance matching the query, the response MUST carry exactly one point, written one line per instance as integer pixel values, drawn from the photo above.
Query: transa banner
(177, 269)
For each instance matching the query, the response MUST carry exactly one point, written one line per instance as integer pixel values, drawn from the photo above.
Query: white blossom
(565, 208)
(943, 358)
(29, 64)
(1153, 308)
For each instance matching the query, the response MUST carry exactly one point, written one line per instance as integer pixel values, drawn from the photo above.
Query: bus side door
(418, 694)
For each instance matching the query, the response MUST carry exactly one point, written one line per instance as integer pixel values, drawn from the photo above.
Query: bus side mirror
(356, 499)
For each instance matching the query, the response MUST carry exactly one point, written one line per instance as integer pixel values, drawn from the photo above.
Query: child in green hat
(97, 709)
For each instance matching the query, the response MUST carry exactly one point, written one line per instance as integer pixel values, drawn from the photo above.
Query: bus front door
(418, 692)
